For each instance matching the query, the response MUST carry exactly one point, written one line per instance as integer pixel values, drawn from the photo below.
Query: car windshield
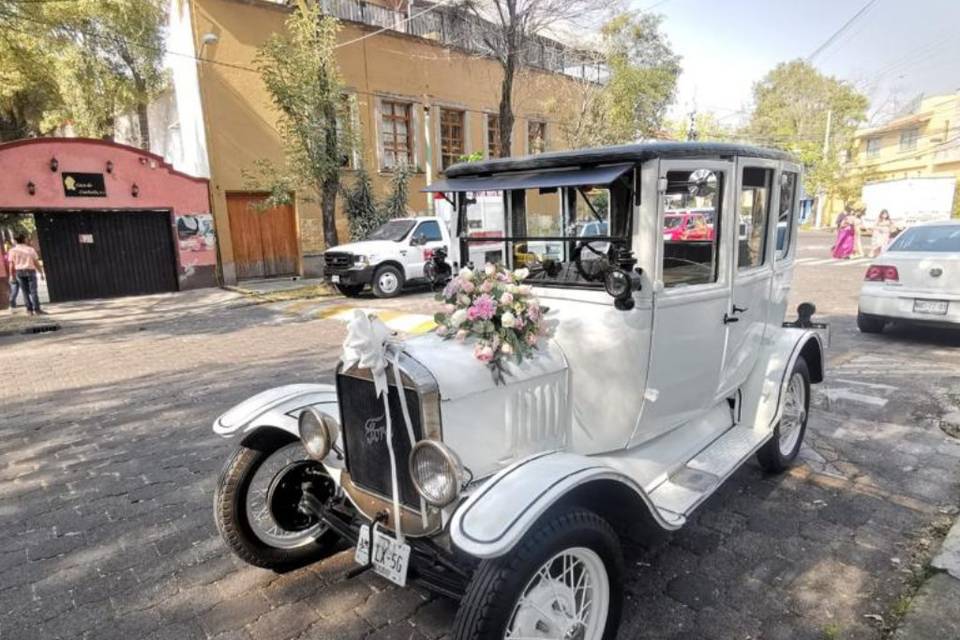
(395, 230)
(562, 235)
(938, 238)
(672, 222)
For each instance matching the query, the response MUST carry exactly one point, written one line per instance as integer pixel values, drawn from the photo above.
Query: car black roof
(638, 152)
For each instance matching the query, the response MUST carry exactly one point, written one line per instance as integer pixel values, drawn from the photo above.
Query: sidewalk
(934, 612)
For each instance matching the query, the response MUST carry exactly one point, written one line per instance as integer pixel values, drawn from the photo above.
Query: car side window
(428, 231)
(693, 260)
(788, 199)
(755, 191)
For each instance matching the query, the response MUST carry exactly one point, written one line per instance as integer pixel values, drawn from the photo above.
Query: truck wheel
(387, 281)
(869, 324)
(563, 580)
(782, 449)
(255, 507)
(350, 290)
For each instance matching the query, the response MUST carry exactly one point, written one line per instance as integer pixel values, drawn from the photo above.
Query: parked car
(916, 280)
(393, 254)
(687, 226)
(666, 370)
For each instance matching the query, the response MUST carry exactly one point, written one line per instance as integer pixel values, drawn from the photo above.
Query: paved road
(107, 467)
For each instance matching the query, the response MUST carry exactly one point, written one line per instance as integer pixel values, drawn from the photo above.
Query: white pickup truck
(392, 255)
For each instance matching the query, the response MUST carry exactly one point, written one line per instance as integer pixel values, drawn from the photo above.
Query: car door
(751, 271)
(423, 241)
(691, 295)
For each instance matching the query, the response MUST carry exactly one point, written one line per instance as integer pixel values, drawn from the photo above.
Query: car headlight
(361, 261)
(318, 432)
(436, 472)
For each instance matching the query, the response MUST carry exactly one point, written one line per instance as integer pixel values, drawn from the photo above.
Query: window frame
(872, 146)
(750, 163)
(786, 253)
(382, 119)
(423, 224)
(909, 138)
(541, 125)
(443, 139)
(492, 147)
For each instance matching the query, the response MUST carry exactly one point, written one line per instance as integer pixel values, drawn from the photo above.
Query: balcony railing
(459, 29)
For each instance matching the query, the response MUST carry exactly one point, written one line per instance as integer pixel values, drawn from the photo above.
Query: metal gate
(104, 254)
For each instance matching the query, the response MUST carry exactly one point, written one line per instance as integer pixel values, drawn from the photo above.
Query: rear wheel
(782, 449)
(869, 324)
(256, 506)
(387, 281)
(563, 581)
(350, 290)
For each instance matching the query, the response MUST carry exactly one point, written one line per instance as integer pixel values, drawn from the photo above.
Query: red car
(680, 226)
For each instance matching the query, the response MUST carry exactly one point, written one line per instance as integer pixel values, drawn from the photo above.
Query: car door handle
(737, 309)
(728, 319)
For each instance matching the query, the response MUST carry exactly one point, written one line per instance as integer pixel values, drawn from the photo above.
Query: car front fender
(278, 408)
(496, 516)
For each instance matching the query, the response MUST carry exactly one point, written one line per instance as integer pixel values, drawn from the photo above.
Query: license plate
(335, 279)
(931, 307)
(390, 558)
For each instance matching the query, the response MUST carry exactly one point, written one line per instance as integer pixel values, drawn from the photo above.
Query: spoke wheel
(794, 414)
(567, 599)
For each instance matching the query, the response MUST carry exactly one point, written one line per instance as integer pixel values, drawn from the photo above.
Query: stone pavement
(108, 464)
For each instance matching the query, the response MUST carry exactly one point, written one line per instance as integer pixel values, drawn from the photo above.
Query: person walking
(26, 266)
(14, 285)
(4, 279)
(881, 233)
(857, 222)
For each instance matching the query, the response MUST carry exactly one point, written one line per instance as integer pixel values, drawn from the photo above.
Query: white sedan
(916, 280)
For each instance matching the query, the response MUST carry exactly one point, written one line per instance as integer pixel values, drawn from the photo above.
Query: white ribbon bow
(370, 344)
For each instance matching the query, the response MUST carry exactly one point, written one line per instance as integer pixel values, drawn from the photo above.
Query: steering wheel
(598, 267)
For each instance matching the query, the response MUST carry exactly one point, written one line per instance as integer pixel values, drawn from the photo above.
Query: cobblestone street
(108, 466)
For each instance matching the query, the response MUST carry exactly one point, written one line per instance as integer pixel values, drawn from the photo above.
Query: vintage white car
(670, 366)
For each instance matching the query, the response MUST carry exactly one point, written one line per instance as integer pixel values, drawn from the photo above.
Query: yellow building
(922, 144)
(422, 94)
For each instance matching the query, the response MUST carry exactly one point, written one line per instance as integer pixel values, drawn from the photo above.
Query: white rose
(466, 274)
(459, 317)
(507, 320)
(463, 299)
(506, 348)
(521, 274)
(490, 269)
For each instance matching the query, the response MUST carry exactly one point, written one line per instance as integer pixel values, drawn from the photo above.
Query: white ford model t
(662, 365)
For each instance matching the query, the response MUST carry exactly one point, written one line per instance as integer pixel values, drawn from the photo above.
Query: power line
(836, 34)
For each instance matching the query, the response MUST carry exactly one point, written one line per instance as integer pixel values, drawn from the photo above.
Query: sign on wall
(83, 185)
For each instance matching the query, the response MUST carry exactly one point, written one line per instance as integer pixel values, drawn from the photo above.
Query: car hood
(366, 247)
(458, 373)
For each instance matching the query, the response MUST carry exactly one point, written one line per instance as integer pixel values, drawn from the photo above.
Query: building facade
(421, 94)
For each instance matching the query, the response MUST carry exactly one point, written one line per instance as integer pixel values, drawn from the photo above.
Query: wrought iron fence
(457, 28)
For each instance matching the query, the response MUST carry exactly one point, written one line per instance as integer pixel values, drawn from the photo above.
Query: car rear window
(945, 238)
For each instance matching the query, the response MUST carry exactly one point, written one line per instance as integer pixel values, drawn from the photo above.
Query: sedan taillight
(882, 273)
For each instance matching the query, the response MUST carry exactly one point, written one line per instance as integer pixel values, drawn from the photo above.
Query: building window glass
(873, 147)
(493, 136)
(451, 137)
(536, 136)
(396, 144)
(908, 139)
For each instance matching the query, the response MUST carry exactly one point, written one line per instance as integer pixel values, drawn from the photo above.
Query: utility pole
(821, 193)
(692, 133)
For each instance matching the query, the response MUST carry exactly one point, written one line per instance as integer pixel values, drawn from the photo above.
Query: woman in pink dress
(844, 245)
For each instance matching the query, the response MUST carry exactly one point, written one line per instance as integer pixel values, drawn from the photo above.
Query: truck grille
(365, 437)
(335, 260)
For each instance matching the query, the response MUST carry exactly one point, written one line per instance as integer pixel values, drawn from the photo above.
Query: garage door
(104, 254)
(264, 240)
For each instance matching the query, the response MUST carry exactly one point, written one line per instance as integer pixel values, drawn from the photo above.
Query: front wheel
(564, 580)
(256, 507)
(387, 281)
(350, 290)
(782, 449)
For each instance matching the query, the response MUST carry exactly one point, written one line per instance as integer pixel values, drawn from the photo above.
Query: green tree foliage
(80, 62)
(631, 104)
(364, 212)
(301, 74)
(395, 205)
(706, 127)
(791, 105)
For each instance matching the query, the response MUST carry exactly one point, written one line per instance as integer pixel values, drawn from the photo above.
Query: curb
(31, 329)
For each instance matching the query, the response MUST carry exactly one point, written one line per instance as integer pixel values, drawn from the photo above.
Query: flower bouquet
(492, 306)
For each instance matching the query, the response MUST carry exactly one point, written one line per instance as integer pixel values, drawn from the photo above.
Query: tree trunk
(506, 106)
(328, 207)
(144, 125)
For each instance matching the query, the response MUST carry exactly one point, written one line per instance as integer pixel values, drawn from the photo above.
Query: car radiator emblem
(375, 429)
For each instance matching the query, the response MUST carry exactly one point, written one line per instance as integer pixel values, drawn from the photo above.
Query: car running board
(677, 496)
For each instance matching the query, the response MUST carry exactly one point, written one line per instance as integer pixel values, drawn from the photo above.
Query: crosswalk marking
(834, 262)
(409, 323)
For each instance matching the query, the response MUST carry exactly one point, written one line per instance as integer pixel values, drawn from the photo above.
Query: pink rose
(483, 308)
(487, 286)
(442, 330)
(506, 299)
(462, 335)
(449, 308)
(468, 287)
(483, 353)
(532, 339)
